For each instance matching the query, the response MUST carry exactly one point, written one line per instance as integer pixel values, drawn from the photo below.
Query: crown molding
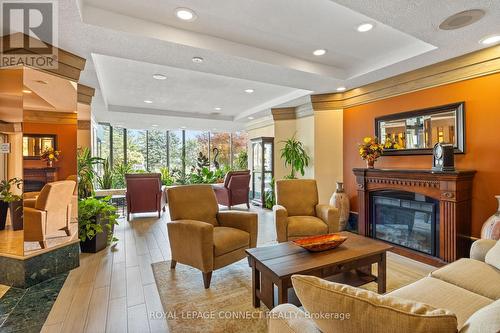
(50, 117)
(85, 94)
(69, 65)
(283, 113)
(468, 66)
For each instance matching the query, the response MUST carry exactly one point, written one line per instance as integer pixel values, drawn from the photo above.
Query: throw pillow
(493, 256)
(485, 320)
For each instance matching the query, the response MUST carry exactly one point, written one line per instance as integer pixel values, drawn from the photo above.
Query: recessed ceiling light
(249, 91)
(147, 101)
(154, 125)
(197, 60)
(159, 77)
(365, 27)
(183, 127)
(185, 14)
(341, 88)
(319, 52)
(493, 39)
(26, 91)
(217, 108)
(250, 118)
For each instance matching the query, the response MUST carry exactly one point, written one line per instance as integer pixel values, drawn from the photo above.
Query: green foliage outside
(106, 179)
(241, 161)
(91, 211)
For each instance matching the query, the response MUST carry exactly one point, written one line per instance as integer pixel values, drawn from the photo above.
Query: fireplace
(425, 214)
(406, 219)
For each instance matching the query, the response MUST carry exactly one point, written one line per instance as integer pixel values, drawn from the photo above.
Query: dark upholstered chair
(235, 189)
(145, 193)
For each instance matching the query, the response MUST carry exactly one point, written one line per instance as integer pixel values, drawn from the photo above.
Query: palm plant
(294, 156)
(86, 164)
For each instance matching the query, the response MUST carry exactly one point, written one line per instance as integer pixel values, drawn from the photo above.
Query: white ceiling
(266, 44)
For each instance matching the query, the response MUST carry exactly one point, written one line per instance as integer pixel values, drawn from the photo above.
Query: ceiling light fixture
(462, 19)
(250, 118)
(147, 101)
(365, 27)
(154, 125)
(26, 91)
(489, 40)
(319, 52)
(341, 88)
(159, 77)
(183, 127)
(197, 60)
(185, 14)
(217, 108)
(249, 91)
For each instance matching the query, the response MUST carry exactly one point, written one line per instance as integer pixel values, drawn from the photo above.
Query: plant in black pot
(96, 224)
(12, 201)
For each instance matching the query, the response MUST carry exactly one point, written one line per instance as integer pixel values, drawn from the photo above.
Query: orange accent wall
(482, 138)
(66, 143)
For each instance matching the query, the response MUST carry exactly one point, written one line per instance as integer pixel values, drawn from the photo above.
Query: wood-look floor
(114, 290)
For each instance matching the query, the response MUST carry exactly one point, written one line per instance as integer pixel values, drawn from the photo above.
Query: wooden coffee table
(350, 263)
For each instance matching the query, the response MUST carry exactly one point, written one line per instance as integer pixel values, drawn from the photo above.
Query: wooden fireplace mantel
(453, 190)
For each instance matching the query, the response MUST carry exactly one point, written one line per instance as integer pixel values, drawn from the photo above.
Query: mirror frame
(53, 136)
(459, 109)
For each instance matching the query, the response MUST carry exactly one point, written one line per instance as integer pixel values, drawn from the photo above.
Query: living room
(269, 166)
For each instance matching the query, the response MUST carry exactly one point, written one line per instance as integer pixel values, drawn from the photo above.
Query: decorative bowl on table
(321, 242)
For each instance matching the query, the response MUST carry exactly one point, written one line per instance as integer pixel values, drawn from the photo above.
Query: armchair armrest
(34, 224)
(287, 318)
(330, 215)
(241, 220)
(480, 247)
(31, 202)
(31, 195)
(192, 243)
(281, 221)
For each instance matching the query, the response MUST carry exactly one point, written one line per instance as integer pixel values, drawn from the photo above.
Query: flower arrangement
(50, 155)
(391, 144)
(370, 150)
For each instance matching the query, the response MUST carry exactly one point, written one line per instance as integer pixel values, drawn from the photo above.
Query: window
(196, 142)
(137, 149)
(239, 141)
(157, 150)
(175, 150)
(118, 145)
(220, 141)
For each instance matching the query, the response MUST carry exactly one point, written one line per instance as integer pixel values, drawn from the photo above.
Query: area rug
(225, 307)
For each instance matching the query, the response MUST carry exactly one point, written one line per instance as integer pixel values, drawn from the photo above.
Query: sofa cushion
(440, 294)
(485, 320)
(473, 275)
(229, 239)
(330, 303)
(493, 256)
(300, 226)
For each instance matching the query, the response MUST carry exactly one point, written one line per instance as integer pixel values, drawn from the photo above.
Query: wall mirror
(35, 144)
(416, 132)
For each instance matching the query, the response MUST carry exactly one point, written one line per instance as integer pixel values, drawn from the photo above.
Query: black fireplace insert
(405, 219)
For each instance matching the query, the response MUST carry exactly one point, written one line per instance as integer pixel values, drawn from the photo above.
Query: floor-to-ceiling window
(196, 143)
(175, 150)
(118, 145)
(157, 150)
(239, 142)
(220, 148)
(137, 149)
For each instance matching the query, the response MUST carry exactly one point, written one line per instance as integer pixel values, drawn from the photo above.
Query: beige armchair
(49, 212)
(298, 214)
(202, 237)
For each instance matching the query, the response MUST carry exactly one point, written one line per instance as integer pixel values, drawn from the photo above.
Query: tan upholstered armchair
(298, 214)
(202, 237)
(49, 212)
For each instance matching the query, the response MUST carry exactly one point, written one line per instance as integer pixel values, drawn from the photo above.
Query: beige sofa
(463, 296)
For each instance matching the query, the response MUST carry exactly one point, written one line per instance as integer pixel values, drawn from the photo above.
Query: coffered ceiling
(262, 45)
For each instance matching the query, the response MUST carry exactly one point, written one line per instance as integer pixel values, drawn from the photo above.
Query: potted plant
(12, 201)
(96, 222)
(295, 156)
(86, 172)
(50, 155)
(106, 180)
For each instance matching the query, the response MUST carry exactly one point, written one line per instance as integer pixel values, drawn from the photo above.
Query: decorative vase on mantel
(491, 228)
(340, 200)
(370, 164)
(50, 163)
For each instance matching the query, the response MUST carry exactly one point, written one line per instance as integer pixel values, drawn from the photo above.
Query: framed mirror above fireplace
(416, 132)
